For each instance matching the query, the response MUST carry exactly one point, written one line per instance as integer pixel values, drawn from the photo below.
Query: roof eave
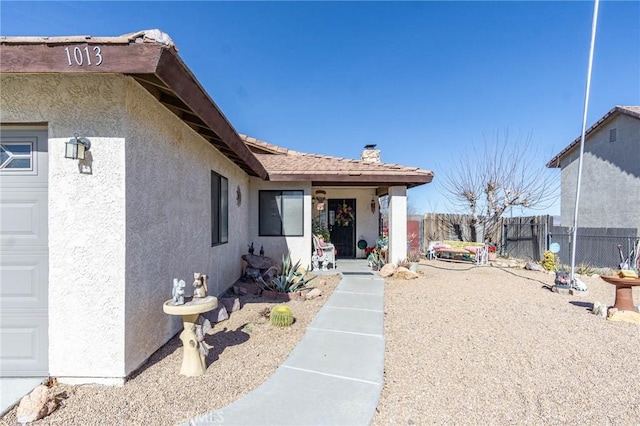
(556, 161)
(364, 179)
(155, 66)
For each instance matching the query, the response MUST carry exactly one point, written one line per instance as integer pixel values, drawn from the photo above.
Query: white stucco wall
(397, 223)
(275, 247)
(169, 219)
(86, 216)
(610, 188)
(366, 222)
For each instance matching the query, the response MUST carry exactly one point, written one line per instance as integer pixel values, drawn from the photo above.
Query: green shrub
(291, 279)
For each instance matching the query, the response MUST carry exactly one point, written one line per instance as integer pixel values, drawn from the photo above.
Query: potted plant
(492, 255)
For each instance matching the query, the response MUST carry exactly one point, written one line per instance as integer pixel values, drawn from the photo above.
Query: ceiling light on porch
(76, 147)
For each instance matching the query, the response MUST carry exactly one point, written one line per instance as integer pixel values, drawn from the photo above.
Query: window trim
(219, 210)
(280, 192)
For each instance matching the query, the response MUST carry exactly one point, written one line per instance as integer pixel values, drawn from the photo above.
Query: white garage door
(24, 255)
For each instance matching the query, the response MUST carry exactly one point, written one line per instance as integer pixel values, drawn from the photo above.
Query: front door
(342, 226)
(24, 253)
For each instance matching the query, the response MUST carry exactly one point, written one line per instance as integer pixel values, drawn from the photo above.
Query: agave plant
(290, 279)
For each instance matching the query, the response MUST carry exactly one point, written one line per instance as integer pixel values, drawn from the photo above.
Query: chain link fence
(595, 247)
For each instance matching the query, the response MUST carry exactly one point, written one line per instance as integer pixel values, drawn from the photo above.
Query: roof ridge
(276, 149)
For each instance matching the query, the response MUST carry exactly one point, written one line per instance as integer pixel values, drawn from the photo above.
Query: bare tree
(504, 174)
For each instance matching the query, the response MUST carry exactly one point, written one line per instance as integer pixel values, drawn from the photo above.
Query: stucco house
(167, 187)
(610, 187)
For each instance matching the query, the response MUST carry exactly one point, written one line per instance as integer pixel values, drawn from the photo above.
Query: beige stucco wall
(168, 191)
(86, 216)
(138, 215)
(610, 188)
(275, 247)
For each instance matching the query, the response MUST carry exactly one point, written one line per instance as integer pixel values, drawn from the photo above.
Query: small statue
(177, 293)
(251, 249)
(199, 285)
(202, 327)
(261, 250)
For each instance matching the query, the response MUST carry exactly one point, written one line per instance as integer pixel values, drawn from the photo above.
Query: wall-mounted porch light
(76, 147)
(373, 205)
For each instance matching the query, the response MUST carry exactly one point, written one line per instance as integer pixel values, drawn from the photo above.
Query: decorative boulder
(36, 405)
(388, 270)
(313, 293)
(405, 274)
(258, 262)
(533, 267)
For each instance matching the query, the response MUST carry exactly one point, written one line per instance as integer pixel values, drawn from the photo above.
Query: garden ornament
(199, 285)
(177, 293)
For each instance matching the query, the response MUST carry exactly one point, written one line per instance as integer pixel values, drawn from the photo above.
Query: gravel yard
(493, 346)
(247, 349)
(464, 345)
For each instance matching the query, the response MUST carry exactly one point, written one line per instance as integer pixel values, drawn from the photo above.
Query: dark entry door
(342, 226)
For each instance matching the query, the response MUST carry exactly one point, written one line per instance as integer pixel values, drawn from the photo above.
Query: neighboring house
(89, 247)
(610, 187)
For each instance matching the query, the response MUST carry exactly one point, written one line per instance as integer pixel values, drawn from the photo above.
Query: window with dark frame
(219, 209)
(281, 213)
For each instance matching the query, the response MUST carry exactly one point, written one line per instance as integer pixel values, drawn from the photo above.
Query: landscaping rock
(231, 304)
(36, 405)
(239, 290)
(405, 274)
(388, 270)
(313, 293)
(217, 315)
(533, 267)
(258, 262)
(599, 309)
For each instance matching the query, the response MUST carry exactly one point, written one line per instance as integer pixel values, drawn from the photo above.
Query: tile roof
(285, 164)
(633, 111)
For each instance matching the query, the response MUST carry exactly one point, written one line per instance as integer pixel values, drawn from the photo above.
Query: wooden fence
(528, 237)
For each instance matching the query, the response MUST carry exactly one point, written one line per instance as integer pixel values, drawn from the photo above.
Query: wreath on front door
(344, 215)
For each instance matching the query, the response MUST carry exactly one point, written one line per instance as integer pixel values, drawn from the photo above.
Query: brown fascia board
(26, 56)
(349, 180)
(183, 83)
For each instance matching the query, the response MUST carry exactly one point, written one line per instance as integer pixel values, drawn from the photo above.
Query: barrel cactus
(281, 316)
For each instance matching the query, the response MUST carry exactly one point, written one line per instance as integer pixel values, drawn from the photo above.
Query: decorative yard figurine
(202, 327)
(261, 250)
(199, 285)
(251, 249)
(178, 291)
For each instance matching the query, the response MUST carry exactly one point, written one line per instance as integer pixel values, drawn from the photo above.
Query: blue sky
(422, 80)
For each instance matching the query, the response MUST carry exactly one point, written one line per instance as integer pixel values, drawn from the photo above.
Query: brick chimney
(370, 154)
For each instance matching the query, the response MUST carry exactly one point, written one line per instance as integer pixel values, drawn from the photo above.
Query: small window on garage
(613, 135)
(16, 156)
(219, 209)
(281, 213)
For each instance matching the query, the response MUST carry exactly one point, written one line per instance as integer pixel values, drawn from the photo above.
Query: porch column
(397, 223)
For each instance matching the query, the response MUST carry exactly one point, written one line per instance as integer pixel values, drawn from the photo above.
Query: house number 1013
(77, 56)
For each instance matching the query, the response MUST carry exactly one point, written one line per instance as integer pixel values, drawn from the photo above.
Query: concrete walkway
(334, 375)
